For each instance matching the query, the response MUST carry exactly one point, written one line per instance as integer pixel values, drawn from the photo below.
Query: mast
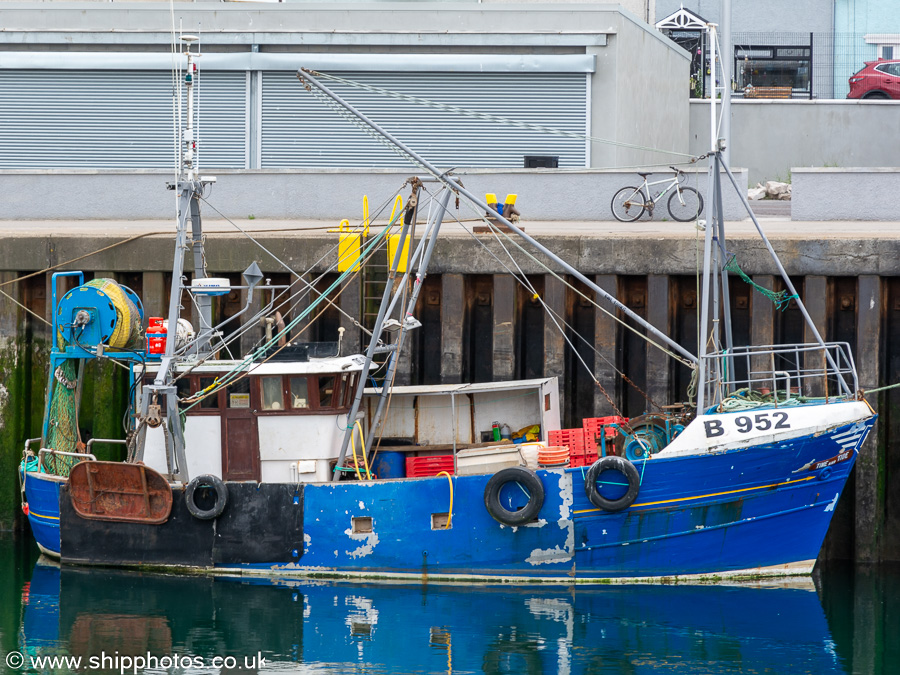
(159, 404)
(727, 59)
(715, 252)
(407, 320)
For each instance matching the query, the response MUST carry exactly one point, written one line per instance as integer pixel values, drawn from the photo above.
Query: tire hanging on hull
(208, 482)
(612, 463)
(528, 481)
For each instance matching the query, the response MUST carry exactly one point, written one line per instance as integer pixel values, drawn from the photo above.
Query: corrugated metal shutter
(114, 119)
(300, 131)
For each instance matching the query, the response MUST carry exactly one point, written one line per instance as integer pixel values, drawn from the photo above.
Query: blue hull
(740, 510)
(42, 495)
(764, 509)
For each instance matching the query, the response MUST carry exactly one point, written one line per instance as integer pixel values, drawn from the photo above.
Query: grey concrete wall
(303, 22)
(637, 91)
(639, 98)
(314, 194)
(845, 194)
(771, 137)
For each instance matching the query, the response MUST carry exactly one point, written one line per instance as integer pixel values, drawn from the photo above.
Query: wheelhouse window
(348, 386)
(326, 390)
(299, 392)
(304, 393)
(210, 402)
(268, 394)
(189, 386)
(272, 392)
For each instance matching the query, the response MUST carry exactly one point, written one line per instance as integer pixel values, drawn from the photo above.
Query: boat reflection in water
(338, 627)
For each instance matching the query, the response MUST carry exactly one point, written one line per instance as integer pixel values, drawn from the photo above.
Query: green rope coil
(781, 299)
(747, 399)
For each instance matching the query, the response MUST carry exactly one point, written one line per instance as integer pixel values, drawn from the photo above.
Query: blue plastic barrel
(389, 464)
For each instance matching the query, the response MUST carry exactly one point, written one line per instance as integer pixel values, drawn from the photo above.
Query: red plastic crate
(583, 459)
(574, 438)
(593, 427)
(430, 465)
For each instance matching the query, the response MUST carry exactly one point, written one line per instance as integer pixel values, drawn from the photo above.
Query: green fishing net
(781, 299)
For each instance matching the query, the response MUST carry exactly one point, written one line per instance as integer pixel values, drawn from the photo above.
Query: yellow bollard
(393, 243)
(348, 252)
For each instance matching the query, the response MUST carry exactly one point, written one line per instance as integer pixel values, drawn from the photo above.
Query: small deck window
(272, 393)
(299, 393)
(348, 386)
(188, 386)
(211, 402)
(362, 525)
(326, 390)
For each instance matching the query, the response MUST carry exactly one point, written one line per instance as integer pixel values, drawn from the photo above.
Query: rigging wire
(586, 297)
(383, 138)
(32, 312)
(248, 361)
(290, 269)
(357, 122)
(558, 319)
(468, 112)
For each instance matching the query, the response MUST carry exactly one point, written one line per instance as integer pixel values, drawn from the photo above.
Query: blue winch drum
(101, 308)
(389, 464)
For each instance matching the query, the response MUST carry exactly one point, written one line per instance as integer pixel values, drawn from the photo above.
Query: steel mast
(159, 403)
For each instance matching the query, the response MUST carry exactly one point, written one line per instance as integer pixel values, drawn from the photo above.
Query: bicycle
(685, 203)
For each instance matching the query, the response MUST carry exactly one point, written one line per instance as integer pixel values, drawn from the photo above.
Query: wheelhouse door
(240, 434)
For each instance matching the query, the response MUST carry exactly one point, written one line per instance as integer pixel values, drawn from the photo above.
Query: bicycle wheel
(628, 204)
(690, 209)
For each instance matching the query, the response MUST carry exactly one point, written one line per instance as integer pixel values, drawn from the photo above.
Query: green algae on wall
(22, 379)
(24, 367)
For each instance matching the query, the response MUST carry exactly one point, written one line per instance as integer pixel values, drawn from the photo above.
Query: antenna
(189, 142)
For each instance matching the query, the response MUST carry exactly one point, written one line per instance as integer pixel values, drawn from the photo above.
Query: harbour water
(845, 621)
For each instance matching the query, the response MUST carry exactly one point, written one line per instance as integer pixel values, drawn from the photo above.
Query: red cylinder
(156, 338)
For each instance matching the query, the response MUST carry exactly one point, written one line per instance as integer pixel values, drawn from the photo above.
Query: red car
(879, 79)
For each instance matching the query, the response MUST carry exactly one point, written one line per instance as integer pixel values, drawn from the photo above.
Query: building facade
(89, 85)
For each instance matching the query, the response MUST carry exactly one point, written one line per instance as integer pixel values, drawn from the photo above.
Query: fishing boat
(261, 464)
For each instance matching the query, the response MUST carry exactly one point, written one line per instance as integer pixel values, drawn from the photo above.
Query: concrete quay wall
(548, 194)
(480, 324)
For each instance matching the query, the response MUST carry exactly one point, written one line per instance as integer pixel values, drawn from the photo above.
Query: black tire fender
(612, 463)
(221, 497)
(529, 480)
